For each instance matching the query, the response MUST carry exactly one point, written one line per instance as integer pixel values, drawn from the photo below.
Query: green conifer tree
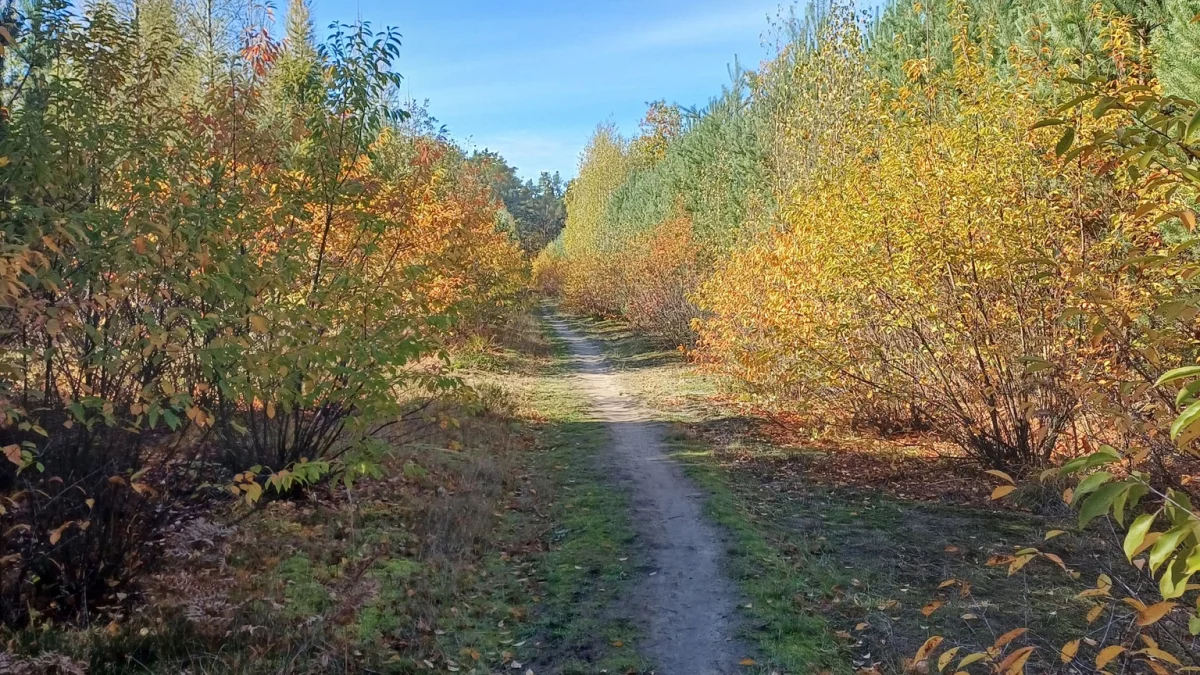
(1177, 42)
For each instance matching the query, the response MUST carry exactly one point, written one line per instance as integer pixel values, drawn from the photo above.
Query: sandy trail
(685, 603)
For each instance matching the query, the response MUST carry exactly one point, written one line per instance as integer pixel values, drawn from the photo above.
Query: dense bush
(875, 248)
(214, 264)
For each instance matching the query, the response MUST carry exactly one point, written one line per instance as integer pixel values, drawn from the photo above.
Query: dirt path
(686, 604)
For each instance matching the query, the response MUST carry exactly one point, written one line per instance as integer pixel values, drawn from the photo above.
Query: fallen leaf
(927, 648)
(1002, 491)
(1015, 662)
(1107, 654)
(1153, 613)
(1008, 637)
(1069, 651)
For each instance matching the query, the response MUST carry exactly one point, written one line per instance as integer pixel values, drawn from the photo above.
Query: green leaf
(1049, 122)
(1089, 485)
(1099, 502)
(1177, 374)
(1137, 533)
(1192, 127)
(1166, 545)
(1187, 393)
(1187, 418)
(1128, 498)
(1174, 580)
(1193, 561)
(1064, 143)
(1105, 455)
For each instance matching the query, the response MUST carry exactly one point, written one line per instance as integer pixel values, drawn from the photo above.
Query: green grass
(588, 565)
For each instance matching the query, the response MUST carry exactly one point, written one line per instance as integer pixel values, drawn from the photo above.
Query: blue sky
(531, 79)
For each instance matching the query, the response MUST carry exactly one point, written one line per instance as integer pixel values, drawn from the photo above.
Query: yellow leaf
(1153, 613)
(1156, 653)
(1001, 475)
(1003, 491)
(1107, 654)
(3, 161)
(931, 607)
(1135, 603)
(944, 659)
(1069, 651)
(1057, 561)
(1054, 533)
(1017, 564)
(1157, 668)
(258, 324)
(13, 453)
(927, 648)
(1150, 540)
(1094, 613)
(57, 533)
(947, 583)
(142, 489)
(746, 662)
(1015, 662)
(271, 410)
(1008, 637)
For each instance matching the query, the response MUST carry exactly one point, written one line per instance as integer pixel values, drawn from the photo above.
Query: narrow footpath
(685, 603)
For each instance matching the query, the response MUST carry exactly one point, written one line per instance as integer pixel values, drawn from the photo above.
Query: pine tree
(1177, 42)
(300, 41)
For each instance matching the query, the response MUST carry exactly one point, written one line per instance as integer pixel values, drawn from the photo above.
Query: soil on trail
(685, 603)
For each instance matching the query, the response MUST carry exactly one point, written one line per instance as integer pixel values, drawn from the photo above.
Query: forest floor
(599, 508)
(495, 544)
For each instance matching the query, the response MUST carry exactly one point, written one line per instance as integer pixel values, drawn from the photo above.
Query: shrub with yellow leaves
(907, 274)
